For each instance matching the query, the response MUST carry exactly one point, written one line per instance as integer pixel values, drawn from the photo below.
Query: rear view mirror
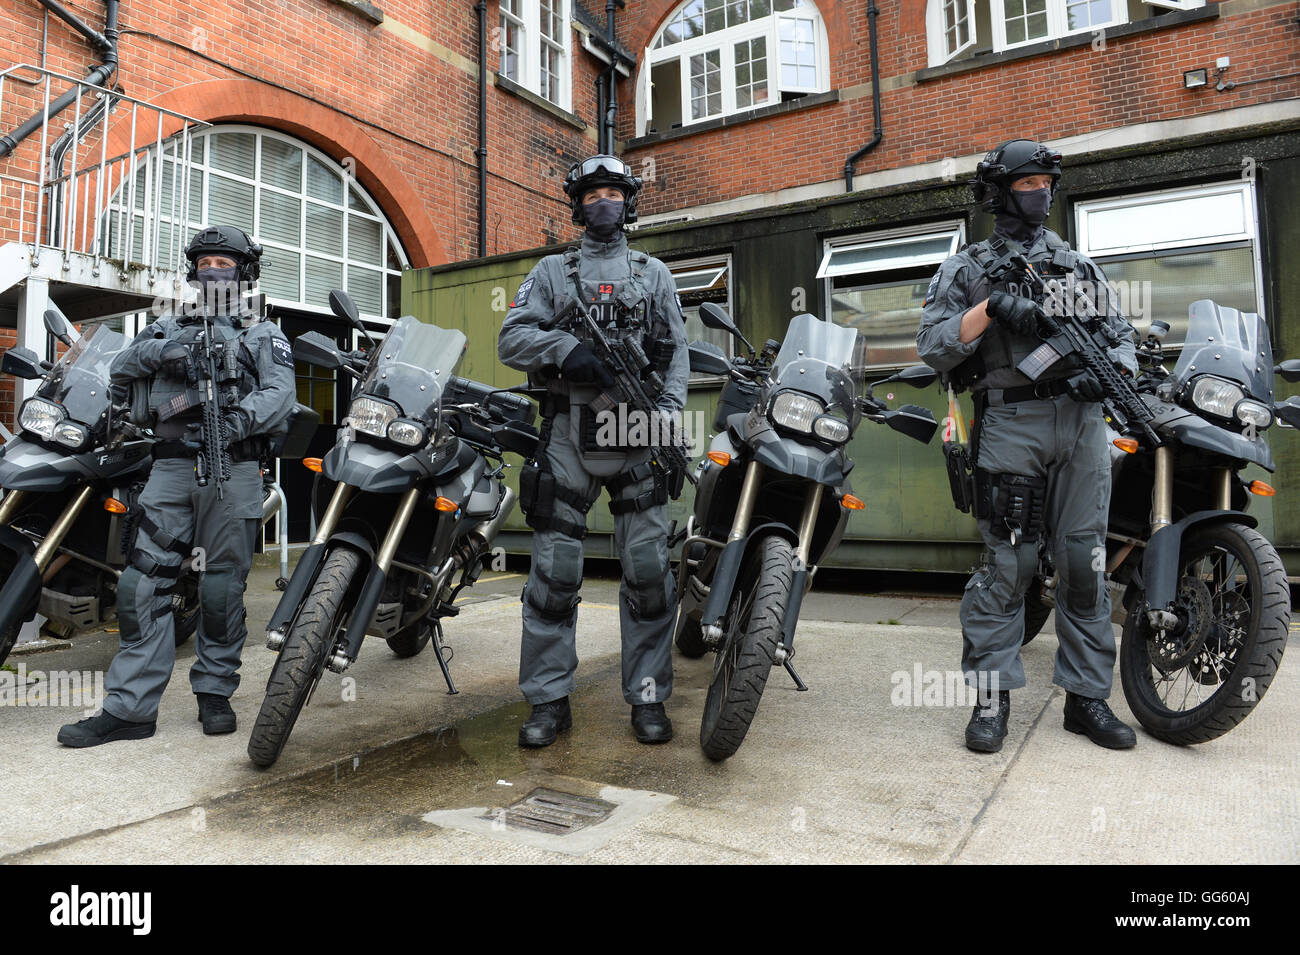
(1288, 410)
(918, 376)
(315, 349)
(713, 316)
(1289, 369)
(913, 421)
(708, 359)
(23, 363)
(57, 326)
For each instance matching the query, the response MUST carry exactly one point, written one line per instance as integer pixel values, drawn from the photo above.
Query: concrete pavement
(843, 773)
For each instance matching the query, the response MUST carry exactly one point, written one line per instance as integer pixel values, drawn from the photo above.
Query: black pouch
(536, 495)
(1013, 504)
(960, 481)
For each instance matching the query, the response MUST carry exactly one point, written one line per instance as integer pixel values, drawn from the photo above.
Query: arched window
(319, 228)
(713, 58)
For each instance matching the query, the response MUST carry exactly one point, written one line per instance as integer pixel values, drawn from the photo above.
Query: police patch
(521, 296)
(281, 352)
(934, 287)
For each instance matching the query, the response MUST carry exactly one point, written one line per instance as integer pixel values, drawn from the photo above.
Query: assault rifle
(213, 458)
(628, 362)
(1079, 330)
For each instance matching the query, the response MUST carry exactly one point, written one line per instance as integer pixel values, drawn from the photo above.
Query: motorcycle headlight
(409, 434)
(371, 416)
(1216, 396)
(792, 410)
(831, 428)
(41, 417)
(1252, 412)
(72, 435)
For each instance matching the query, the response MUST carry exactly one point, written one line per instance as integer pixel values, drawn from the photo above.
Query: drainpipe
(96, 77)
(101, 43)
(879, 132)
(481, 153)
(611, 82)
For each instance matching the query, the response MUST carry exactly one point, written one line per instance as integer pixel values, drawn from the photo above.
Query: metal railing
(130, 209)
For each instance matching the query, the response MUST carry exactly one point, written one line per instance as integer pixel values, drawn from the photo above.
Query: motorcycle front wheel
(748, 649)
(302, 658)
(1197, 681)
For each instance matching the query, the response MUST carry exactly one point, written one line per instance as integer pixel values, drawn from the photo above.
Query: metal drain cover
(553, 812)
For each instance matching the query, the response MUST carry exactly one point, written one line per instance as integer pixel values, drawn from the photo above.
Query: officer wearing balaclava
(630, 295)
(1041, 454)
(193, 508)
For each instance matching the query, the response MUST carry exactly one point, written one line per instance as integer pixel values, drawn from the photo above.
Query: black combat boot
(985, 732)
(545, 722)
(215, 714)
(1093, 718)
(104, 728)
(651, 724)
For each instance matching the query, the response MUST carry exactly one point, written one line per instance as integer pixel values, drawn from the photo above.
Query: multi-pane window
(716, 57)
(318, 228)
(533, 41)
(952, 26)
(699, 281)
(1162, 251)
(876, 283)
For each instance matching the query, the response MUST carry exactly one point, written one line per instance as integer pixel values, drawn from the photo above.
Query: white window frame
(506, 16)
(827, 273)
(1243, 188)
(724, 41)
(704, 265)
(1056, 23)
(937, 34)
(530, 54)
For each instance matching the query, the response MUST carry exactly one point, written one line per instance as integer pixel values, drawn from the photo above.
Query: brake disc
(1179, 646)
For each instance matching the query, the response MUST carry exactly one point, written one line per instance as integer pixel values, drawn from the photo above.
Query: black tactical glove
(175, 362)
(1019, 315)
(582, 367)
(193, 437)
(1084, 386)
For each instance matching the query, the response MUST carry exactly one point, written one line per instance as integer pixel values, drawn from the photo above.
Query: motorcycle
(772, 503)
(1205, 602)
(404, 501)
(72, 480)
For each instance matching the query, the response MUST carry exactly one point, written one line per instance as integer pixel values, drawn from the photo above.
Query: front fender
(1160, 562)
(729, 564)
(21, 591)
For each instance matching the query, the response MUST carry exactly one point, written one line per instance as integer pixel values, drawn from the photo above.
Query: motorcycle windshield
(818, 357)
(1226, 343)
(79, 380)
(413, 365)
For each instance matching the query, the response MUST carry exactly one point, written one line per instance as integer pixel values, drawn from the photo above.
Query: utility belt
(250, 449)
(538, 489)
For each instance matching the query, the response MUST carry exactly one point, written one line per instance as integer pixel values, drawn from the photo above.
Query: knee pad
(552, 588)
(1010, 572)
(1084, 564)
(128, 614)
(650, 586)
(1014, 504)
(221, 602)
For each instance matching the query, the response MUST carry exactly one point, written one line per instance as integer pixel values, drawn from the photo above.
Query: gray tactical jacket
(960, 284)
(265, 360)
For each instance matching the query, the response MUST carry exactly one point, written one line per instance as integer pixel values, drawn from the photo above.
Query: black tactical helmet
(225, 240)
(602, 171)
(1010, 161)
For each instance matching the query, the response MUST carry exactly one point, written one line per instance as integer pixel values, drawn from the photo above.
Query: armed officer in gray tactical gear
(631, 295)
(1041, 454)
(195, 502)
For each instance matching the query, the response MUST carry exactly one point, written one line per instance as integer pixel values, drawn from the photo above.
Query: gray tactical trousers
(548, 658)
(227, 532)
(1065, 441)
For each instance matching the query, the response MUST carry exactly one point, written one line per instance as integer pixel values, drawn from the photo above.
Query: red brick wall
(1134, 79)
(413, 117)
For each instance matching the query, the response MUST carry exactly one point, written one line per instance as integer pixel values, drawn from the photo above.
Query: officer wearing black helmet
(183, 510)
(1042, 468)
(630, 294)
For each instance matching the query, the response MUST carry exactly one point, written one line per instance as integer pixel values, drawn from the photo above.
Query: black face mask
(219, 290)
(604, 217)
(1031, 206)
(209, 277)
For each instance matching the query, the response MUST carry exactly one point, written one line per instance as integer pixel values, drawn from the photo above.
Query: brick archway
(248, 101)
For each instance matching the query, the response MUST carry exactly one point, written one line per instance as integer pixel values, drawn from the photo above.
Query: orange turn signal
(852, 503)
(114, 506)
(446, 504)
(313, 464)
(720, 458)
(1127, 445)
(1260, 488)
